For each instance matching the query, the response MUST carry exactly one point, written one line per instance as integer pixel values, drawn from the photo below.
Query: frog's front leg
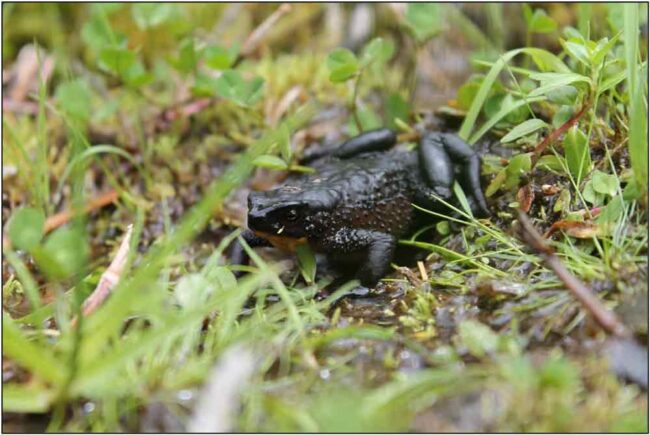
(378, 248)
(438, 153)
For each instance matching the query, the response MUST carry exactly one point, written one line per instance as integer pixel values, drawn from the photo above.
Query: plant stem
(353, 102)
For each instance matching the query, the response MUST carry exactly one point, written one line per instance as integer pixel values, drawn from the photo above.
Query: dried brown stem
(603, 316)
(55, 221)
(555, 134)
(109, 278)
(254, 39)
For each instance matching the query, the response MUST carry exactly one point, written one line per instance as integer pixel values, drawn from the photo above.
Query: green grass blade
(41, 362)
(502, 113)
(548, 59)
(89, 152)
(26, 399)
(637, 108)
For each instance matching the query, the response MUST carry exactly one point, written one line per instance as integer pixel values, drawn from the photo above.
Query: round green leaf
(343, 64)
(424, 19)
(606, 184)
(65, 253)
(25, 228)
(220, 58)
(74, 99)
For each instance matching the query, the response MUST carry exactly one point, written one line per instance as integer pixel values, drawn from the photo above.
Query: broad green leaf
(613, 211)
(563, 95)
(576, 153)
(147, 15)
(270, 162)
(563, 115)
(551, 81)
(590, 195)
(188, 57)
(523, 129)
(612, 81)
(136, 76)
(116, 59)
(97, 34)
(343, 64)
(466, 93)
(377, 50)
(424, 19)
(519, 164)
(74, 99)
(232, 85)
(496, 183)
(606, 184)
(204, 85)
(307, 263)
(220, 58)
(603, 48)
(577, 51)
(25, 228)
(550, 162)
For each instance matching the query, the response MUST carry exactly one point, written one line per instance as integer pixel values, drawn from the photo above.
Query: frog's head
(284, 211)
(277, 212)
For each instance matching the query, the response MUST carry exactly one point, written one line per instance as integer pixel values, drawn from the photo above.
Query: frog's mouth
(285, 243)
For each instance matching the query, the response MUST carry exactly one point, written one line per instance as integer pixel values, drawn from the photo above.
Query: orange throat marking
(282, 242)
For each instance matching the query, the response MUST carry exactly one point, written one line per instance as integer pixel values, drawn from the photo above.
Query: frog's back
(374, 191)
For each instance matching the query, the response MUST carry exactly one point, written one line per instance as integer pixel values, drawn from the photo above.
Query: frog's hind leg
(375, 140)
(438, 154)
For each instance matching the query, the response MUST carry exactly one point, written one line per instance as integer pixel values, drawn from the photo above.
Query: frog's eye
(292, 215)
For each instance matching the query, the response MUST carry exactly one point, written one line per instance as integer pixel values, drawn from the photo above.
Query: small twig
(603, 316)
(256, 36)
(55, 221)
(109, 278)
(555, 134)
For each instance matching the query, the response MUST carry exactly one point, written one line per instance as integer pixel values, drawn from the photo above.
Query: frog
(359, 201)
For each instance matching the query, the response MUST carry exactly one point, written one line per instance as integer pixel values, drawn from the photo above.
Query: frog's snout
(258, 218)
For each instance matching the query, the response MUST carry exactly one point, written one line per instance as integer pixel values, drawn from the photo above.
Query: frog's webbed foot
(438, 154)
(377, 246)
(375, 140)
(238, 254)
